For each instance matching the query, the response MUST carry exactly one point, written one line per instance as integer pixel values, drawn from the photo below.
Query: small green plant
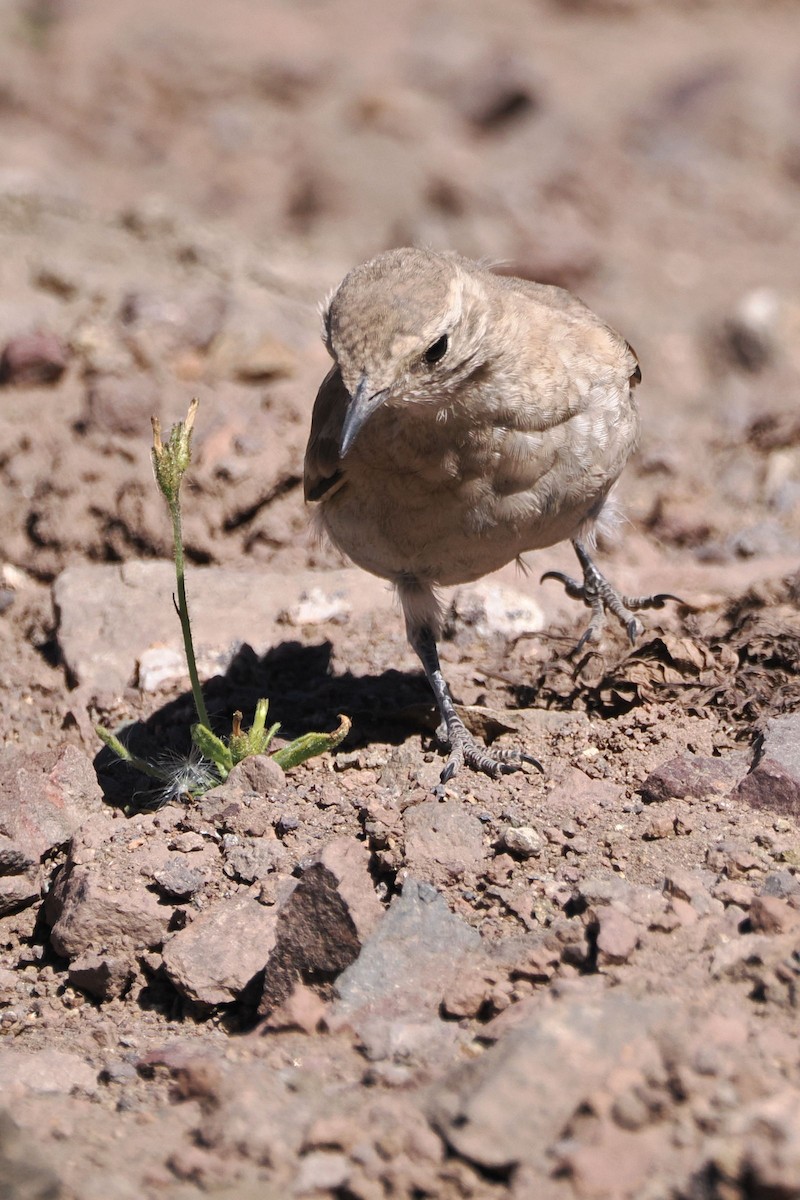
(215, 757)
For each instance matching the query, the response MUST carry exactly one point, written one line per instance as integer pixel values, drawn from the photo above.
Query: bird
(469, 417)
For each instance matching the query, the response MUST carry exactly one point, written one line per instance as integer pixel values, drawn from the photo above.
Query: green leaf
(213, 748)
(311, 744)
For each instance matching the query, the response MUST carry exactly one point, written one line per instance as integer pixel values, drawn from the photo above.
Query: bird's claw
(602, 598)
(574, 590)
(494, 763)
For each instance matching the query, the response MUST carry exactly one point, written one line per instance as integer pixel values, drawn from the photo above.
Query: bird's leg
(462, 745)
(602, 597)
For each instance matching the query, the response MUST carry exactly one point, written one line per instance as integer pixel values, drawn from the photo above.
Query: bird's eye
(436, 352)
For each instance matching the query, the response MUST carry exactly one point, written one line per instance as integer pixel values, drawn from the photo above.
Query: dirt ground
(580, 983)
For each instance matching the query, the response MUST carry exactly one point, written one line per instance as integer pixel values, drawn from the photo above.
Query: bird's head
(405, 328)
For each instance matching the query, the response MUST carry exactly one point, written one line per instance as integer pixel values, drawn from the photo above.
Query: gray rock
(392, 993)
(178, 880)
(774, 781)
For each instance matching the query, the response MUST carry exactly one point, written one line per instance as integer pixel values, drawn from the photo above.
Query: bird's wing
(563, 301)
(322, 470)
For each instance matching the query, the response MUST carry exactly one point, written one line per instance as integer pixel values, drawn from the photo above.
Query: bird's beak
(361, 407)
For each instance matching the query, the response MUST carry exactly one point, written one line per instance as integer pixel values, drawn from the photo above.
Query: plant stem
(133, 760)
(183, 613)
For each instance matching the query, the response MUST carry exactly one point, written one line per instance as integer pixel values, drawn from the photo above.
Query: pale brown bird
(469, 417)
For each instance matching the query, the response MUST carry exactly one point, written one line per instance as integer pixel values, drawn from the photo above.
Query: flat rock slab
(510, 1106)
(109, 615)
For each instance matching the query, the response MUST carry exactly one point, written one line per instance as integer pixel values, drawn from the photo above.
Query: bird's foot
(602, 598)
(465, 750)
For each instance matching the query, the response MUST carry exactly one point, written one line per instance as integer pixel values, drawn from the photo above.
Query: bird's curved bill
(361, 407)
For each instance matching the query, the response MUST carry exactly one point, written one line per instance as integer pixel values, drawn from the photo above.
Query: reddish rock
(18, 891)
(102, 901)
(47, 1071)
(659, 825)
(23, 1175)
(213, 960)
(774, 781)
(694, 776)
(44, 798)
(509, 1106)
(259, 773)
(33, 359)
(89, 914)
(617, 937)
(101, 975)
(303, 1009)
(324, 922)
(768, 914)
(730, 891)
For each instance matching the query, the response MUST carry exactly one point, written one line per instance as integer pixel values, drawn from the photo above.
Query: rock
(522, 841)
(303, 1009)
(121, 406)
(730, 891)
(782, 884)
(768, 914)
(160, 666)
(691, 887)
(617, 937)
(23, 1176)
(443, 841)
(44, 1072)
(774, 781)
(660, 825)
(44, 798)
(391, 994)
(213, 960)
(509, 1106)
(494, 610)
(315, 607)
(321, 1171)
(768, 1143)
(258, 773)
(100, 902)
(694, 776)
(232, 603)
(33, 359)
(101, 975)
(177, 880)
(324, 922)
(87, 914)
(18, 891)
(256, 859)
